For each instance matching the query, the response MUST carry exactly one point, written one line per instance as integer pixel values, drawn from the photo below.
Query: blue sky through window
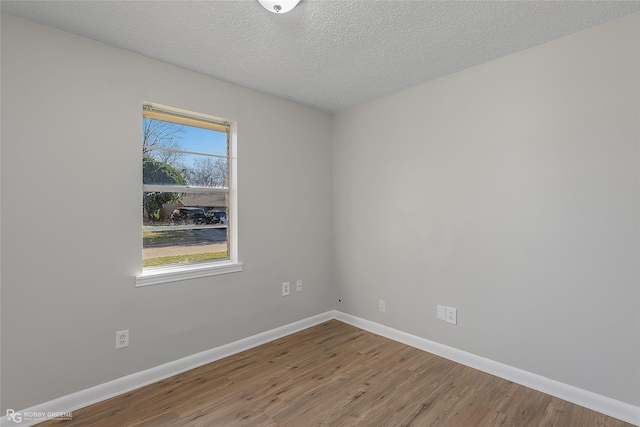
(202, 140)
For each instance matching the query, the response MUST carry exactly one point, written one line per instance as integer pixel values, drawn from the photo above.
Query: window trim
(158, 275)
(173, 273)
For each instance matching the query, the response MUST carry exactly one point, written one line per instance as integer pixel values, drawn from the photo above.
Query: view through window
(185, 177)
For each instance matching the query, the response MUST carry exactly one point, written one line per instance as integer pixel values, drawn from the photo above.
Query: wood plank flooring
(334, 374)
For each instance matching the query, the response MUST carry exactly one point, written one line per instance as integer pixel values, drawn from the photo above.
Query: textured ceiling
(330, 54)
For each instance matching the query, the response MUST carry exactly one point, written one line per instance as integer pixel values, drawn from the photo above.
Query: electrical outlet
(122, 339)
(452, 315)
(441, 313)
(285, 289)
(382, 306)
(299, 285)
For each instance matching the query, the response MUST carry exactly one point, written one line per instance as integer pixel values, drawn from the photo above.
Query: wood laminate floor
(335, 374)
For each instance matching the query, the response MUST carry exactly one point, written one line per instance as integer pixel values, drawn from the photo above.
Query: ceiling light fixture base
(279, 6)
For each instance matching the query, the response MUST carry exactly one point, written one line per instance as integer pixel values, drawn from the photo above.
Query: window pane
(159, 134)
(162, 247)
(158, 172)
(204, 171)
(175, 168)
(164, 208)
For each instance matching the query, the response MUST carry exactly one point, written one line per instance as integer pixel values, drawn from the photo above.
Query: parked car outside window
(216, 217)
(188, 215)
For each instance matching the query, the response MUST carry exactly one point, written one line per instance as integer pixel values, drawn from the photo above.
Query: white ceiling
(330, 54)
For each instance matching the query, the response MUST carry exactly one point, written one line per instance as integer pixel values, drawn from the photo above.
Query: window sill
(155, 276)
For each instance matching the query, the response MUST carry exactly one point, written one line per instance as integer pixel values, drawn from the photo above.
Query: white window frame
(164, 274)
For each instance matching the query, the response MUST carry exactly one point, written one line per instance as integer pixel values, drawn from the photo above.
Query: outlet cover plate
(122, 339)
(452, 315)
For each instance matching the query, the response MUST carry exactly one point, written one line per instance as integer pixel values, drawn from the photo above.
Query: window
(188, 195)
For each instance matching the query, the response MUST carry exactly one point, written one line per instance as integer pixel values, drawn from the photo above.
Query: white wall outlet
(382, 306)
(452, 315)
(285, 289)
(299, 285)
(122, 339)
(441, 312)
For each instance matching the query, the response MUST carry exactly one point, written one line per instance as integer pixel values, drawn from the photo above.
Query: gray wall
(71, 205)
(511, 192)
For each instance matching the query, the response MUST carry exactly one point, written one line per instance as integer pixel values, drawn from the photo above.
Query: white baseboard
(74, 401)
(587, 399)
(122, 385)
